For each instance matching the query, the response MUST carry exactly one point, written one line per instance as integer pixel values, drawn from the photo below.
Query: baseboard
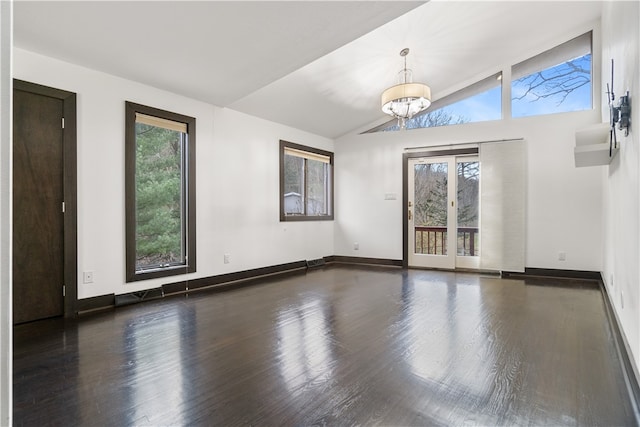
(248, 277)
(219, 282)
(316, 263)
(222, 282)
(629, 368)
(339, 259)
(555, 273)
(93, 304)
(233, 279)
(136, 297)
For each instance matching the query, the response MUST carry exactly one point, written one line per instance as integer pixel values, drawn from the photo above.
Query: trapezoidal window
(479, 102)
(160, 193)
(306, 183)
(556, 81)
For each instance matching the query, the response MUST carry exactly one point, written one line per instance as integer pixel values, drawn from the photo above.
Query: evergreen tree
(158, 195)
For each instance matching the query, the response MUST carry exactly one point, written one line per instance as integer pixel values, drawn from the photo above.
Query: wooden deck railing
(433, 241)
(467, 241)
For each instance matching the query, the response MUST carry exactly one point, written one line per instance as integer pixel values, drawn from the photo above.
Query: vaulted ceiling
(319, 66)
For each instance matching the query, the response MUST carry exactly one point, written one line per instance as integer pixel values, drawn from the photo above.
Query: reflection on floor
(336, 346)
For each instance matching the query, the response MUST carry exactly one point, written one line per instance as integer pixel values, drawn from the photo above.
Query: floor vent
(312, 263)
(136, 297)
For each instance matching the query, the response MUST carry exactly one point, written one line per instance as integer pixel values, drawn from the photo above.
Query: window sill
(292, 218)
(154, 273)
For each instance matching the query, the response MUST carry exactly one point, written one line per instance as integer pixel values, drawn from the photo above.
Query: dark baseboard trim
(136, 297)
(247, 277)
(174, 288)
(225, 280)
(316, 263)
(220, 282)
(629, 371)
(339, 259)
(558, 274)
(93, 304)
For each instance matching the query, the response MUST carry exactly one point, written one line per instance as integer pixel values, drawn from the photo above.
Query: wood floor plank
(336, 346)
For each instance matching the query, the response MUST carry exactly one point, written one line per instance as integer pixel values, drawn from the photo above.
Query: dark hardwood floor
(336, 346)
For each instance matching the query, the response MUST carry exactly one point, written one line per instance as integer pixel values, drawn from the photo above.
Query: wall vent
(136, 297)
(313, 263)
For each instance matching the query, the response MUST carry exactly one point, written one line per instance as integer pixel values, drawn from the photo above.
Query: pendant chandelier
(406, 99)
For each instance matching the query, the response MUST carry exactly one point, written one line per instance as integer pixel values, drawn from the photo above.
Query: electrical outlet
(356, 246)
(227, 258)
(87, 277)
(562, 256)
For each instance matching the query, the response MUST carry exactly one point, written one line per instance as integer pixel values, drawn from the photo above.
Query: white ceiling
(316, 66)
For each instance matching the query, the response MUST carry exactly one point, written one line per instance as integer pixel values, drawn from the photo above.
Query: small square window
(306, 183)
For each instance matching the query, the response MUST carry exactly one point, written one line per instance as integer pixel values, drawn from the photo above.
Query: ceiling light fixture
(406, 99)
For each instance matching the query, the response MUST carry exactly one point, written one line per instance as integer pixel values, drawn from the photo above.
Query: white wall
(237, 180)
(563, 202)
(621, 270)
(6, 317)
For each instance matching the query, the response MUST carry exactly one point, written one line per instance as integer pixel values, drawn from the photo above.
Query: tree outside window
(306, 183)
(555, 81)
(160, 192)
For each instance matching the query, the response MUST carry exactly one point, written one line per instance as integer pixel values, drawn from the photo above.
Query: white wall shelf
(592, 146)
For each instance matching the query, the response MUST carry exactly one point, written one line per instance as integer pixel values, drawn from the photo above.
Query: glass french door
(444, 212)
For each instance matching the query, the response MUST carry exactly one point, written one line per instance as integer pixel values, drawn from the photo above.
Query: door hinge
(63, 123)
(64, 291)
(63, 207)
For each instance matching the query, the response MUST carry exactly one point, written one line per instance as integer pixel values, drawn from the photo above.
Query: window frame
(547, 60)
(330, 186)
(188, 196)
(483, 85)
(516, 71)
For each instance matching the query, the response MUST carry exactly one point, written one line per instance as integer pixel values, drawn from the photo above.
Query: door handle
(409, 214)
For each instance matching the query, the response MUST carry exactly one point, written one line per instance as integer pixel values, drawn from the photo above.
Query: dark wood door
(38, 220)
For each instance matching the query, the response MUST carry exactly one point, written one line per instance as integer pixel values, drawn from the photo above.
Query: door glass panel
(468, 192)
(430, 223)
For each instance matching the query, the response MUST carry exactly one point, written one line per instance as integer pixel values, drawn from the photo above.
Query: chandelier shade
(406, 99)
